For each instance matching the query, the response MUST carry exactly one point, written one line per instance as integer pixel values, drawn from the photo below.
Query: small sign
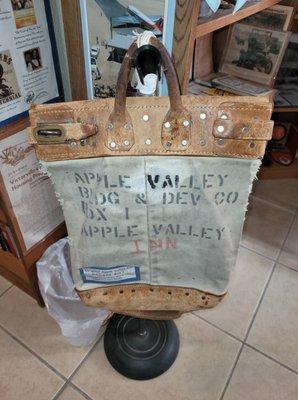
(116, 274)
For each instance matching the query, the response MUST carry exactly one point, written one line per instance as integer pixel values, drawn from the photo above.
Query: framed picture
(287, 78)
(254, 53)
(277, 17)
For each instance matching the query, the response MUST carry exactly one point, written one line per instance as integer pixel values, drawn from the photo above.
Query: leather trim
(233, 142)
(121, 298)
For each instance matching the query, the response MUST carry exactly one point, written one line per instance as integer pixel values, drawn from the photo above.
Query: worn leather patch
(142, 298)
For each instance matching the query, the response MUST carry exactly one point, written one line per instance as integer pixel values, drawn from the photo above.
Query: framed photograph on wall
(254, 53)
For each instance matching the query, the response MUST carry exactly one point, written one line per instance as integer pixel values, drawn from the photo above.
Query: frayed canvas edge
(43, 168)
(254, 169)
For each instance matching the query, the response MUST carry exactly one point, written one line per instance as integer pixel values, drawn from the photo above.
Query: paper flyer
(27, 71)
(30, 192)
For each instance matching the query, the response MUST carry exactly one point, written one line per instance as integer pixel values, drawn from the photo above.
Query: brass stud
(220, 128)
(127, 126)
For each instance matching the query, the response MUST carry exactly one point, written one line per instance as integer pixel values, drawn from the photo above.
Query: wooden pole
(186, 19)
(74, 47)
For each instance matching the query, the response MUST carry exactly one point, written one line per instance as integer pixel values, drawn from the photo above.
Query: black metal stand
(141, 348)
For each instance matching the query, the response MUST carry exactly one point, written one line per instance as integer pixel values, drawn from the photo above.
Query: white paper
(30, 192)
(27, 72)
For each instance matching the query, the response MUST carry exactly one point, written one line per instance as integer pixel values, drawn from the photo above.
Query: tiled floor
(244, 349)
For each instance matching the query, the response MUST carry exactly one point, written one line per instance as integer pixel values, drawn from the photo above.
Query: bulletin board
(29, 68)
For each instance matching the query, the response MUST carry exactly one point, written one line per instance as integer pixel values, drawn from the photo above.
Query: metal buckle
(49, 133)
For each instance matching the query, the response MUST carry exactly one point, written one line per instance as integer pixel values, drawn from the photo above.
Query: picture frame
(254, 53)
(277, 17)
(287, 78)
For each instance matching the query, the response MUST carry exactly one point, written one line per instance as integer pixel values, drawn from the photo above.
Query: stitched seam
(146, 107)
(52, 155)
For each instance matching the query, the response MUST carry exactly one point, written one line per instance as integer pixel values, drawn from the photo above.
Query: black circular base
(141, 348)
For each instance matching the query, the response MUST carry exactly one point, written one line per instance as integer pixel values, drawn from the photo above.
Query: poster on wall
(27, 70)
(25, 184)
(112, 27)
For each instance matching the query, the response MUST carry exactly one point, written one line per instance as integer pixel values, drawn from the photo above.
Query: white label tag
(117, 274)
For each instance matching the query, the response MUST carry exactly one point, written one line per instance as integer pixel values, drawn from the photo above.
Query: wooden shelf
(277, 171)
(288, 109)
(223, 18)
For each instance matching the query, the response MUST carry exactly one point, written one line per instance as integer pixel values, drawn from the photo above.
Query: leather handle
(169, 71)
(176, 127)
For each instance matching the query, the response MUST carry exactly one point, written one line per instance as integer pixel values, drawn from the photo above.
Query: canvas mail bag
(153, 190)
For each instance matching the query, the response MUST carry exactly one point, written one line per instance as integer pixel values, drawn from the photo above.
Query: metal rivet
(251, 145)
(112, 145)
(245, 129)
(184, 142)
(110, 125)
(220, 128)
(83, 142)
(168, 144)
(224, 116)
(148, 141)
(126, 142)
(73, 143)
(202, 142)
(256, 119)
(127, 126)
(185, 123)
(167, 124)
(145, 117)
(203, 115)
(220, 142)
